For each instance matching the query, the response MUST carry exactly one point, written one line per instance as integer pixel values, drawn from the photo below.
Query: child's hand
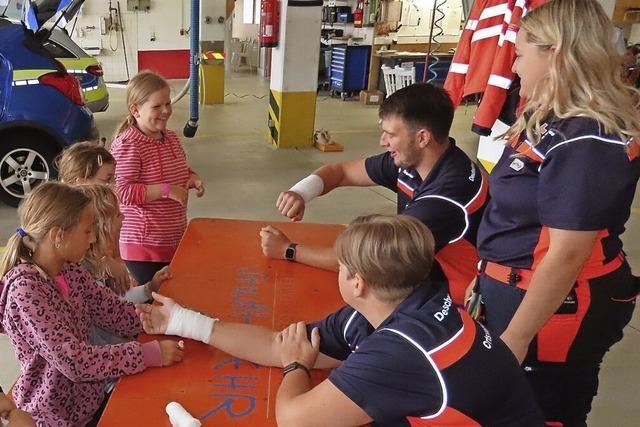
(18, 418)
(171, 352)
(196, 182)
(161, 275)
(155, 318)
(179, 194)
(117, 270)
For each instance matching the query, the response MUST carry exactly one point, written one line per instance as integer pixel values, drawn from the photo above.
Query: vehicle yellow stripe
(30, 74)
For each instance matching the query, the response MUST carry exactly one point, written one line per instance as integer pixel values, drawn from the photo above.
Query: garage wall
(154, 39)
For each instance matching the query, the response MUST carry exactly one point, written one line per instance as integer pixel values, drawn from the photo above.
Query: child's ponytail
(49, 205)
(17, 248)
(124, 125)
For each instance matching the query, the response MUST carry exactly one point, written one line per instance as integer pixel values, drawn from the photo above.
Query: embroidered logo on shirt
(517, 165)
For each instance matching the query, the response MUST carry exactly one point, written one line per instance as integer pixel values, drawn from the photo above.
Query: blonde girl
(86, 162)
(48, 304)
(555, 282)
(152, 178)
(90, 163)
(107, 228)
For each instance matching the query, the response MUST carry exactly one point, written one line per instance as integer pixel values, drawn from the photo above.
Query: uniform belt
(520, 277)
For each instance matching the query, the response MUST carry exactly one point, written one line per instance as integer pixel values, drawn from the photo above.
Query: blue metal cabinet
(349, 68)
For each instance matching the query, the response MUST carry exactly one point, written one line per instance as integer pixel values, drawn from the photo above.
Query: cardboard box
(371, 97)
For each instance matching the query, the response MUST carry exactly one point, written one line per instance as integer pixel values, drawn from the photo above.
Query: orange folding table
(219, 269)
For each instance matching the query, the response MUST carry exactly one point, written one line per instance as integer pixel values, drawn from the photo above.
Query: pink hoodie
(62, 377)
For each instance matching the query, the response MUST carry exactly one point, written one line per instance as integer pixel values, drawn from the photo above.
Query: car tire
(26, 160)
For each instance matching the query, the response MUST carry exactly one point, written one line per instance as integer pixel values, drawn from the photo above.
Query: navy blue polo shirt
(577, 178)
(449, 200)
(426, 359)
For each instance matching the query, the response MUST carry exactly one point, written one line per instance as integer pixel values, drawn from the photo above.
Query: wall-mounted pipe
(191, 126)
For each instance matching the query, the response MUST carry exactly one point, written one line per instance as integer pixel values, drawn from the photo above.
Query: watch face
(290, 253)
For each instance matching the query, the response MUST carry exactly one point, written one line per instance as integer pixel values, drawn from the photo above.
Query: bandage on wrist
(190, 324)
(309, 188)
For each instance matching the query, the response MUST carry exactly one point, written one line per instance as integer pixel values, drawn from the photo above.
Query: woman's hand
(469, 290)
(155, 318)
(171, 352)
(296, 347)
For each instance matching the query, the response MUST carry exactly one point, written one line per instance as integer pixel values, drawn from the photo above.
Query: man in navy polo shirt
(402, 354)
(435, 182)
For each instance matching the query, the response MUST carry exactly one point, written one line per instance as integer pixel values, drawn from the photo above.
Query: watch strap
(293, 366)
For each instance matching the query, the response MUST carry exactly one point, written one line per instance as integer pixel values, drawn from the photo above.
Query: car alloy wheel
(21, 170)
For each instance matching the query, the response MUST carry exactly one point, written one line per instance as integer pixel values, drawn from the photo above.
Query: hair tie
(99, 159)
(21, 232)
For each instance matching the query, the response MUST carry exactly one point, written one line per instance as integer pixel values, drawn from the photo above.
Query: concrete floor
(244, 175)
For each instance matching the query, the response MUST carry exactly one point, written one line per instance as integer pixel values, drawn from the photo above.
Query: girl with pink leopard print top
(48, 303)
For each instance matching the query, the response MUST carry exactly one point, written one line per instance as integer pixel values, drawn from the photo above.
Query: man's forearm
(317, 256)
(253, 343)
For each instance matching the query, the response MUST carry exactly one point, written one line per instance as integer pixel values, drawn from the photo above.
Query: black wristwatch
(293, 366)
(290, 252)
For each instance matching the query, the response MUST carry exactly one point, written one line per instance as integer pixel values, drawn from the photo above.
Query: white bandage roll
(309, 188)
(190, 324)
(179, 417)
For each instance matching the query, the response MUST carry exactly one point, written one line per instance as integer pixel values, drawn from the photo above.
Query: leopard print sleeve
(107, 309)
(50, 327)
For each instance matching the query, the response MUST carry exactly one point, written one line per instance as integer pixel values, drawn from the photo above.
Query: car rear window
(57, 51)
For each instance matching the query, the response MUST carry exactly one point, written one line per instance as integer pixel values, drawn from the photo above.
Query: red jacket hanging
(483, 62)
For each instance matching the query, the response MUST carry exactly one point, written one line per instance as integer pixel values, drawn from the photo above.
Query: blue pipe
(194, 61)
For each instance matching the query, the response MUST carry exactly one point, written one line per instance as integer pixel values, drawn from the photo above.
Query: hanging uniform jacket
(491, 73)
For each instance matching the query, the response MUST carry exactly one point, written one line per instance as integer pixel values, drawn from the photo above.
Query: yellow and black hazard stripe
(291, 118)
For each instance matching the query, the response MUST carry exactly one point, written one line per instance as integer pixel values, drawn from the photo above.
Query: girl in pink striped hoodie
(48, 303)
(152, 178)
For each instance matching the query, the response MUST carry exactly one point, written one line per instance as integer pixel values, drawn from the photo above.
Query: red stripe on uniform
(527, 151)
(459, 263)
(480, 198)
(456, 349)
(404, 188)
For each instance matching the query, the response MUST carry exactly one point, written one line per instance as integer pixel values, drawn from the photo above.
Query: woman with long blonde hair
(553, 277)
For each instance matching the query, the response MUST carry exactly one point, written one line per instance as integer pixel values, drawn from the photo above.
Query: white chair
(253, 55)
(405, 76)
(389, 75)
(238, 52)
